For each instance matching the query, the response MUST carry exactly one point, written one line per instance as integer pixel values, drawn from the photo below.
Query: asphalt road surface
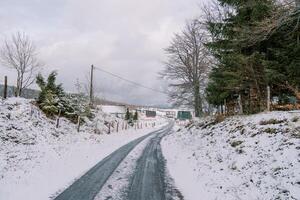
(148, 179)
(148, 182)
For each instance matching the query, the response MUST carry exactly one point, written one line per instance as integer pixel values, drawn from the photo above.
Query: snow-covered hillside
(242, 157)
(38, 160)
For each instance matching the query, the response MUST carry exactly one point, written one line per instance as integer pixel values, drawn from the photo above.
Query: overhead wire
(129, 81)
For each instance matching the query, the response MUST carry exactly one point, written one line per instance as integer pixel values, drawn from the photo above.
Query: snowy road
(147, 179)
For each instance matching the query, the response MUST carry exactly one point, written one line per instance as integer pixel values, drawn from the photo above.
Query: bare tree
(297, 3)
(187, 66)
(19, 53)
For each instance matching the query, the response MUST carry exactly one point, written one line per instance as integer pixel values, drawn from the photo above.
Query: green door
(184, 115)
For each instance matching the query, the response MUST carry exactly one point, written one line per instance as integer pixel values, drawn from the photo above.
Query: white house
(118, 111)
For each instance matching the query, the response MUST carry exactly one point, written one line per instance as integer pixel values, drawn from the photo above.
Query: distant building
(150, 113)
(116, 110)
(170, 114)
(184, 115)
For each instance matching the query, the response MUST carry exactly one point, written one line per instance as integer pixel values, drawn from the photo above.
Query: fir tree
(135, 116)
(48, 99)
(127, 115)
(240, 70)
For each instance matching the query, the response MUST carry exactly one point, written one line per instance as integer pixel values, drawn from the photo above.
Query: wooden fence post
(117, 127)
(78, 123)
(57, 120)
(5, 88)
(31, 111)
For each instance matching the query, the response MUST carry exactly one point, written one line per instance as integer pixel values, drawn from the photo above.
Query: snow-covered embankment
(38, 160)
(242, 157)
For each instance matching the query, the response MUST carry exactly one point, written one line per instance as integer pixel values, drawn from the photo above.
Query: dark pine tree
(240, 71)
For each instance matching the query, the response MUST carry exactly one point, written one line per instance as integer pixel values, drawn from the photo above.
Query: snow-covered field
(38, 160)
(242, 157)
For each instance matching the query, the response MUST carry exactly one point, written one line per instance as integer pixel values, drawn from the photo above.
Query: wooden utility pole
(91, 86)
(5, 88)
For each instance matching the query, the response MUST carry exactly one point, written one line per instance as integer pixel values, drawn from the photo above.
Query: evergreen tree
(127, 115)
(135, 116)
(52, 97)
(283, 60)
(48, 99)
(49, 104)
(240, 70)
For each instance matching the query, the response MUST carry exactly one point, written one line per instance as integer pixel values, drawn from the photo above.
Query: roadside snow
(243, 157)
(37, 160)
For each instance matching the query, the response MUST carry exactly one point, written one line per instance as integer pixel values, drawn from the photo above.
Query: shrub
(236, 143)
(295, 119)
(270, 130)
(272, 121)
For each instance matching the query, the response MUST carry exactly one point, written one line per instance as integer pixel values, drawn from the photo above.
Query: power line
(129, 81)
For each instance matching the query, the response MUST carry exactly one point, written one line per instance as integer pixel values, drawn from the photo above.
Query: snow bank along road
(148, 179)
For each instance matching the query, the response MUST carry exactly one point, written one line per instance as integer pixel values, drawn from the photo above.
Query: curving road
(148, 179)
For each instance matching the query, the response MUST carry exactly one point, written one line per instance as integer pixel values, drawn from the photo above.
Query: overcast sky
(125, 37)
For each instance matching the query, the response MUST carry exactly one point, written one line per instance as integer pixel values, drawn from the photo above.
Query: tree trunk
(18, 85)
(197, 103)
(268, 98)
(21, 84)
(5, 87)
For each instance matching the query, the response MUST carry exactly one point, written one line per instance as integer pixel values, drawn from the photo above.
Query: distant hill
(27, 93)
(33, 94)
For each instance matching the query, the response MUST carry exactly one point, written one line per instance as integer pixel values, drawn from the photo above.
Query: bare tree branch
(187, 65)
(20, 54)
